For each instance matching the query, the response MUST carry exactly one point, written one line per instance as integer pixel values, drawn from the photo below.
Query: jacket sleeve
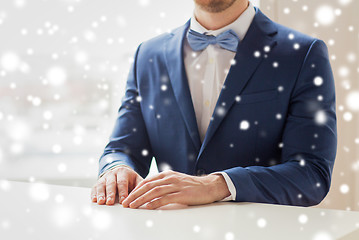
(128, 143)
(309, 142)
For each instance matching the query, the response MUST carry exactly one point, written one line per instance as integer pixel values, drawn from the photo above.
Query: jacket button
(200, 172)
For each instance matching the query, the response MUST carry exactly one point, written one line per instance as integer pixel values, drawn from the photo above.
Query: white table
(41, 211)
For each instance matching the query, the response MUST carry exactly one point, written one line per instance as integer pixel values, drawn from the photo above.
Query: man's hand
(121, 179)
(174, 187)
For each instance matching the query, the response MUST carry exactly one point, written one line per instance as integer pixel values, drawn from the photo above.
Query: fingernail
(101, 198)
(121, 199)
(108, 199)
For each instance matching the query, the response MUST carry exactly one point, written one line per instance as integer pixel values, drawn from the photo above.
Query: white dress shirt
(206, 72)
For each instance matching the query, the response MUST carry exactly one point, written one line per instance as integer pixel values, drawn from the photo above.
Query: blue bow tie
(227, 40)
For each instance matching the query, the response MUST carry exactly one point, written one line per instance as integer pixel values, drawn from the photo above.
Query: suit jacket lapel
(247, 60)
(177, 74)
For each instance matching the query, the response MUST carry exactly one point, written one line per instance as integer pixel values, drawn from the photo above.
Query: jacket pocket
(258, 97)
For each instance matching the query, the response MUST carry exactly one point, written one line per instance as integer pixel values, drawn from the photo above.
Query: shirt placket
(207, 90)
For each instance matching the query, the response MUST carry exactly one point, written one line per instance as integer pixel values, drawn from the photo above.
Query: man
(241, 108)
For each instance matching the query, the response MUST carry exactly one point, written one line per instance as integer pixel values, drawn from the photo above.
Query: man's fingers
(152, 194)
(167, 199)
(101, 190)
(149, 179)
(94, 194)
(145, 188)
(110, 188)
(122, 185)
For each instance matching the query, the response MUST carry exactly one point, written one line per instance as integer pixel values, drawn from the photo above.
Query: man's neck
(214, 21)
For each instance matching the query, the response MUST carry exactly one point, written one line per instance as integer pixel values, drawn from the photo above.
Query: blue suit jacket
(285, 156)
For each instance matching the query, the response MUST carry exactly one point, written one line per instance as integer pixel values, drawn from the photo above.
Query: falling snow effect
(322, 236)
(244, 125)
(303, 219)
(65, 93)
(320, 117)
(39, 192)
(261, 222)
(101, 220)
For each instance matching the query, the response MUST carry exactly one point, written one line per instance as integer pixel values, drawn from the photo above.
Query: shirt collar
(239, 26)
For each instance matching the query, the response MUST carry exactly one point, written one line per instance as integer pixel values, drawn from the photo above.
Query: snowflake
(325, 15)
(10, 61)
(345, 2)
(59, 198)
(347, 116)
(196, 228)
(344, 71)
(16, 148)
(320, 117)
(229, 236)
(163, 87)
(302, 162)
(70, 9)
(5, 185)
(266, 48)
(47, 115)
(101, 220)
(322, 236)
(286, 10)
(261, 223)
(164, 167)
(352, 100)
(149, 223)
(62, 167)
(257, 54)
(244, 125)
(220, 111)
(303, 219)
(331, 42)
(56, 148)
(63, 216)
(144, 152)
(351, 57)
(36, 101)
(338, 12)
(143, 3)
(39, 191)
(296, 46)
(56, 76)
(81, 57)
(88, 35)
(344, 188)
(318, 81)
(5, 224)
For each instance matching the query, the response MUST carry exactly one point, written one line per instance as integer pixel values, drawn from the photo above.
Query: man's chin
(214, 6)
